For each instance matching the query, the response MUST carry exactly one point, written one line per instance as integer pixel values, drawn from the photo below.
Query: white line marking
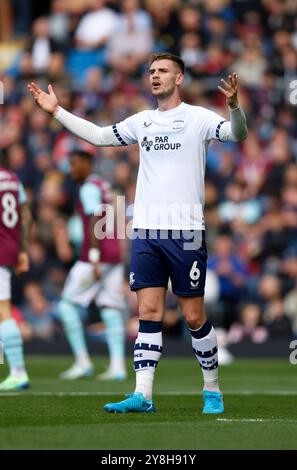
(261, 392)
(243, 420)
(173, 393)
(256, 420)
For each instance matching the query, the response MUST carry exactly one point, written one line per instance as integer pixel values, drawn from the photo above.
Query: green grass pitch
(260, 401)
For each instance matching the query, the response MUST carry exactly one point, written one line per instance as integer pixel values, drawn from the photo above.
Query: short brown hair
(167, 55)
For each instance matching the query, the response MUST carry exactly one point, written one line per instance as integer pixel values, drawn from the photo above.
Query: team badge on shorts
(132, 279)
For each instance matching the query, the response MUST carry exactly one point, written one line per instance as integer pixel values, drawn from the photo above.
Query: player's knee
(194, 319)
(4, 316)
(149, 312)
(5, 311)
(110, 314)
(65, 309)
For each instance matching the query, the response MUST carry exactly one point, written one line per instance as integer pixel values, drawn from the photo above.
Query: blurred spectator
(22, 11)
(59, 23)
(290, 305)
(38, 260)
(166, 25)
(274, 315)
(277, 320)
(252, 167)
(19, 162)
(288, 268)
(96, 26)
(238, 204)
(222, 8)
(275, 235)
(42, 54)
(250, 66)
(249, 326)
(231, 273)
(130, 45)
(91, 36)
(192, 53)
(38, 312)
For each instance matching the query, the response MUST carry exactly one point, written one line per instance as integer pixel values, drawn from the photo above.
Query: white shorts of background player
(82, 288)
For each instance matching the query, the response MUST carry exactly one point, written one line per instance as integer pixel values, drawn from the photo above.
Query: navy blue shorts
(160, 255)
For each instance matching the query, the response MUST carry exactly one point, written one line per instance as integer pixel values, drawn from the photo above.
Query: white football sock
(205, 347)
(147, 352)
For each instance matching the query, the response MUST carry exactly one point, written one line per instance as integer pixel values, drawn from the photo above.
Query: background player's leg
(13, 349)
(148, 344)
(115, 338)
(79, 290)
(205, 347)
(71, 320)
(112, 303)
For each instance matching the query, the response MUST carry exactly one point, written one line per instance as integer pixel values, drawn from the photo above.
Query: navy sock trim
(148, 326)
(145, 363)
(148, 347)
(203, 331)
(204, 354)
(214, 366)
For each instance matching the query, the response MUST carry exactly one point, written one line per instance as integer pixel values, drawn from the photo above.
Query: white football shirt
(173, 146)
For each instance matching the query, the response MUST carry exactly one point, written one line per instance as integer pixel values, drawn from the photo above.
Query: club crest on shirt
(178, 124)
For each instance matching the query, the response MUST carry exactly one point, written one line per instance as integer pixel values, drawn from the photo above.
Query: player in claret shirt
(98, 276)
(168, 210)
(15, 219)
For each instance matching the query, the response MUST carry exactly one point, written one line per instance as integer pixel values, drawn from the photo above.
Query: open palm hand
(229, 89)
(47, 101)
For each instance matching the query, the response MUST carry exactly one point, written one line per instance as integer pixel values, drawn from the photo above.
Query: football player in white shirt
(168, 241)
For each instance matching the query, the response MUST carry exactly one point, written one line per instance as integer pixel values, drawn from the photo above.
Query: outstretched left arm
(238, 131)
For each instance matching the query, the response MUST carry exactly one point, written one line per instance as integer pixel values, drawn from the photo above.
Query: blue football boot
(213, 402)
(134, 403)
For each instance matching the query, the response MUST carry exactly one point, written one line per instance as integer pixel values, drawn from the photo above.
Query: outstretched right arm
(99, 136)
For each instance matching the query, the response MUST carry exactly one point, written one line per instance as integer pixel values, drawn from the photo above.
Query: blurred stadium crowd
(95, 54)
